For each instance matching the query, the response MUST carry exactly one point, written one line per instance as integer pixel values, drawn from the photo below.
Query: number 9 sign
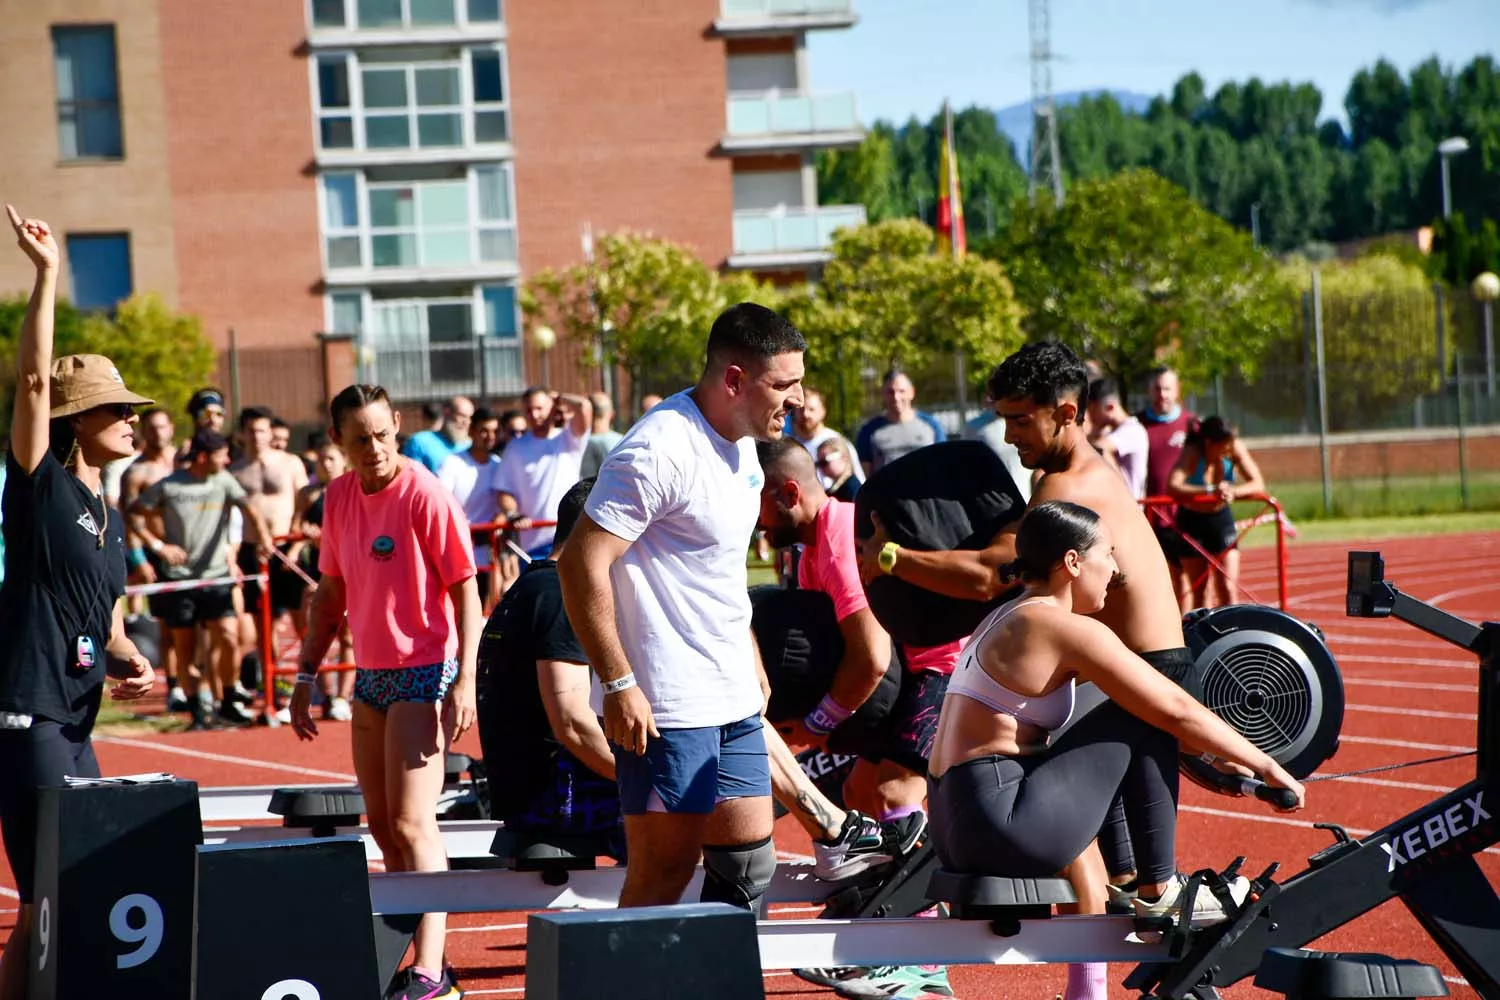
(146, 937)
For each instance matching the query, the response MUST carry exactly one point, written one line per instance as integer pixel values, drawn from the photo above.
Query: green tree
(865, 175)
(160, 354)
(648, 301)
(1380, 345)
(1131, 272)
(886, 299)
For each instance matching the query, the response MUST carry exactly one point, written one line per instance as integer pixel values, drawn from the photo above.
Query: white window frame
(358, 112)
(351, 16)
(476, 309)
(367, 231)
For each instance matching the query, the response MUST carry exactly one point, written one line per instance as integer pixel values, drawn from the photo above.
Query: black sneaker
(203, 717)
(903, 835)
(235, 714)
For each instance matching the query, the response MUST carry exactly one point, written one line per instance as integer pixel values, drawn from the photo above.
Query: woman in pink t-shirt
(395, 554)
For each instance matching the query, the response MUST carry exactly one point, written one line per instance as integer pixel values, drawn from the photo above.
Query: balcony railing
(483, 367)
(735, 12)
(777, 113)
(777, 231)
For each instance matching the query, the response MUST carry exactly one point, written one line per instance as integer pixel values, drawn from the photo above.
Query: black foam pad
(801, 646)
(1306, 975)
(951, 495)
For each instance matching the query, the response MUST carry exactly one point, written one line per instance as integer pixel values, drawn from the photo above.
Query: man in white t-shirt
(470, 475)
(1117, 435)
(539, 468)
(655, 587)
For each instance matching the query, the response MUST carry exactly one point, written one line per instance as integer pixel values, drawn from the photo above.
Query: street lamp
(1450, 147)
(544, 338)
(1486, 289)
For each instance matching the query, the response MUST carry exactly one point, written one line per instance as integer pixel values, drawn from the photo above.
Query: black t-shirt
(57, 601)
(528, 625)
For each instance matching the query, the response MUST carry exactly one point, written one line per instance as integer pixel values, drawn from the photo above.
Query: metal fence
(482, 368)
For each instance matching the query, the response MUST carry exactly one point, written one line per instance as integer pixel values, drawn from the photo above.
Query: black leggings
(1032, 815)
(34, 758)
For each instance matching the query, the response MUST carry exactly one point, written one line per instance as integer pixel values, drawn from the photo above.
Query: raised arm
(580, 413)
(33, 408)
(590, 603)
(967, 574)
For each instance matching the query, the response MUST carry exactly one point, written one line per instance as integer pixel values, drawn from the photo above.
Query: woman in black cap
(60, 612)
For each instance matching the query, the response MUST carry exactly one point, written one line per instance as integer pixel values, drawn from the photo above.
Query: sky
(905, 56)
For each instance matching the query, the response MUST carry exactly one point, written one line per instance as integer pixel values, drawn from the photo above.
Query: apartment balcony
(420, 368)
(789, 237)
(789, 122)
(762, 18)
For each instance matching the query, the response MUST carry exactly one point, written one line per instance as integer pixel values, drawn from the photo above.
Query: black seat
(321, 809)
(994, 897)
(552, 854)
(1321, 975)
(455, 766)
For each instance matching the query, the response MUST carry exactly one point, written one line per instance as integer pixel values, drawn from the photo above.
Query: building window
(412, 224)
(380, 15)
(88, 93)
(412, 105)
(99, 270)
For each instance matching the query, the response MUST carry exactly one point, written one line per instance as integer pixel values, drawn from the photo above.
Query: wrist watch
(887, 559)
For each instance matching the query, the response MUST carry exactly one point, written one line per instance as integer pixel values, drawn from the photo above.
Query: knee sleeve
(739, 875)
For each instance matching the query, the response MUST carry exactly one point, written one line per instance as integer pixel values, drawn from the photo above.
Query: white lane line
(1353, 831)
(1405, 744)
(1412, 685)
(1408, 661)
(1413, 786)
(486, 929)
(223, 758)
(1422, 713)
(9, 893)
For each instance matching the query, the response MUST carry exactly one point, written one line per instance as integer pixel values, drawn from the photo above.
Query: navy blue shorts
(692, 770)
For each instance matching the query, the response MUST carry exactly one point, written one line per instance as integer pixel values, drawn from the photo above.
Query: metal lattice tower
(1046, 163)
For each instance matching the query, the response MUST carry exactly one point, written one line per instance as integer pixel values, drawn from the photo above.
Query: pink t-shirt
(831, 564)
(398, 550)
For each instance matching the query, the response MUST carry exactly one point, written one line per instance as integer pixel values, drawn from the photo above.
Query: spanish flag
(950, 206)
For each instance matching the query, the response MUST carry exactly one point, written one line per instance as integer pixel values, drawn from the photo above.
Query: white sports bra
(1048, 712)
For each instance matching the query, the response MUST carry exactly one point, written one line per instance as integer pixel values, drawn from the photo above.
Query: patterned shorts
(380, 689)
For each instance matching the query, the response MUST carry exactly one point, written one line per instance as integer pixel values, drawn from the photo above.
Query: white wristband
(621, 684)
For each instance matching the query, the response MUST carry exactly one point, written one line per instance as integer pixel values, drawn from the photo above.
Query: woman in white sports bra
(1017, 785)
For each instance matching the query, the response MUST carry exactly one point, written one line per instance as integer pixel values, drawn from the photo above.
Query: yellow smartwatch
(887, 559)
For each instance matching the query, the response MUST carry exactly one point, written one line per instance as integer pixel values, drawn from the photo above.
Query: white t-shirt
(538, 472)
(473, 486)
(688, 499)
(1131, 445)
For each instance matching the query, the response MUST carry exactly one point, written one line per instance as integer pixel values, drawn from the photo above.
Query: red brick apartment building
(356, 187)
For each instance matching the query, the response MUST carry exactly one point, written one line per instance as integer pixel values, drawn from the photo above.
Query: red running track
(1410, 696)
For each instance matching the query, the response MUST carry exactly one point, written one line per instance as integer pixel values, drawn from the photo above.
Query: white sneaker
(284, 716)
(1208, 909)
(340, 711)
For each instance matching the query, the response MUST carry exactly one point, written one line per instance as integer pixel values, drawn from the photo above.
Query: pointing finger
(15, 217)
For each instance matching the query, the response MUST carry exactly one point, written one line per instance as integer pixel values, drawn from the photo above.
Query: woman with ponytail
(60, 612)
(1022, 774)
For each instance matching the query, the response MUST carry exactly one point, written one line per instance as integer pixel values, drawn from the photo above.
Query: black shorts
(286, 586)
(1177, 665)
(34, 758)
(186, 608)
(1170, 540)
(1214, 532)
(906, 734)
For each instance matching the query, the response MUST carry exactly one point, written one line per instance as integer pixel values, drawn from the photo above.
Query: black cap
(206, 442)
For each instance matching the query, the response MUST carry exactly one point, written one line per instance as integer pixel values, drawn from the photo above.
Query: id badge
(84, 652)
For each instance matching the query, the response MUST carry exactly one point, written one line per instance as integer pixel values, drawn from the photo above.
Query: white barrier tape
(1267, 517)
(294, 568)
(173, 586)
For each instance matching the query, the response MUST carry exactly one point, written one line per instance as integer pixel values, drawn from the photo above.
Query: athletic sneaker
(903, 835)
(897, 982)
(859, 847)
(412, 985)
(1121, 898)
(177, 699)
(830, 976)
(1208, 909)
(338, 710)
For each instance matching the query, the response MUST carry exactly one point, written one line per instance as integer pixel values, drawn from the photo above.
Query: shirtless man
(1040, 392)
(272, 479)
(156, 461)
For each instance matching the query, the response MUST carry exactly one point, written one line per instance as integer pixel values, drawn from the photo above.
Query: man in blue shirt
(446, 434)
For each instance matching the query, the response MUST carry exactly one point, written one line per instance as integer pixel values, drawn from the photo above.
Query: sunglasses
(120, 411)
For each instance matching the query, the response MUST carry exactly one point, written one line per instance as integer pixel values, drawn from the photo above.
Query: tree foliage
(886, 299)
(1132, 273)
(1380, 342)
(160, 354)
(1253, 145)
(652, 300)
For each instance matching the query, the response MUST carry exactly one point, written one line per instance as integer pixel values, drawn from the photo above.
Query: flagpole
(950, 153)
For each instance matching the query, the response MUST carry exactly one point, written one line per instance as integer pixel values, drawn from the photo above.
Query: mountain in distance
(1015, 121)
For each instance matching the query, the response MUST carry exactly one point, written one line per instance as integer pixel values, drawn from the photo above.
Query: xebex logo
(1435, 831)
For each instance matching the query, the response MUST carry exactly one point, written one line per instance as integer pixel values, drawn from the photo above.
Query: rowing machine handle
(1283, 798)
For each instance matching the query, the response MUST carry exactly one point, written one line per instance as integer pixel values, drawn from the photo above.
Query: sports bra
(1048, 712)
(1197, 478)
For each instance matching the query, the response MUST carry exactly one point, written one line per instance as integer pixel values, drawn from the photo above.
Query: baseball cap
(206, 442)
(83, 381)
